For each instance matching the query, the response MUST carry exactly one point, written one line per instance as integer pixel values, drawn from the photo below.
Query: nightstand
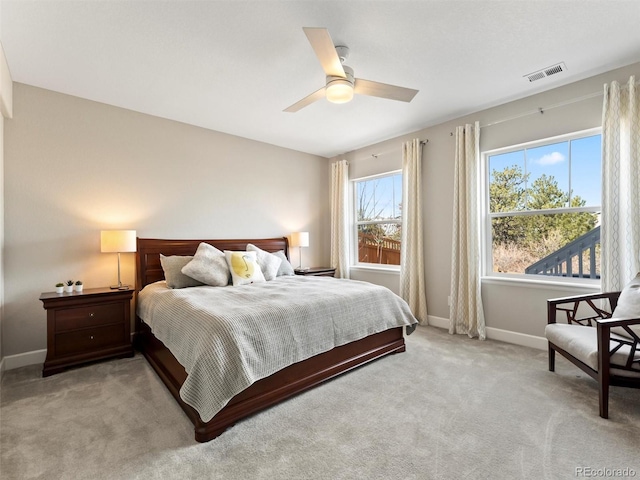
(94, 324)
(316, 271)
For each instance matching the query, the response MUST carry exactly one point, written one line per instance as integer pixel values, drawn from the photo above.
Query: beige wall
(74, 167)
(514, 307)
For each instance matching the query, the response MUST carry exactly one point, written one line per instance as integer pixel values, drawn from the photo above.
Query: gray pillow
(172, 267)
(285, 267)
(269, 263)
(208, 266)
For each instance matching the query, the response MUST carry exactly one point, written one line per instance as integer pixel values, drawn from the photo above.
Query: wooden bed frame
(268, 391)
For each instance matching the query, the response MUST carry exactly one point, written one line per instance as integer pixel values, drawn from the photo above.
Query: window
(543, 207)
(378, 219)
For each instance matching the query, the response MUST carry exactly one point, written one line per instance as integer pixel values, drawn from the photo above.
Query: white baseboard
(517, 338)
(507, 336)
(439, 322)
(23, 359)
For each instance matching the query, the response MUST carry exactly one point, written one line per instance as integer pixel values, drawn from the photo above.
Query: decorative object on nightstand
(68, 287)
(88, 326)
(118, 241)
(78, 286)
(59, 287)
(300, 239)
(316, 271)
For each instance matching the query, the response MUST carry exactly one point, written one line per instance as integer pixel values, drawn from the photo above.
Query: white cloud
(551, 158)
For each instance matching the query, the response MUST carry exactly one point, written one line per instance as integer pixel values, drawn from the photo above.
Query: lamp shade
(117, 241)
(339, 91)
(300, 239)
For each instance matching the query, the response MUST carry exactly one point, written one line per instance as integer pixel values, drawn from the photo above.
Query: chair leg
(604, 335)
(604, 399)
(552, 359)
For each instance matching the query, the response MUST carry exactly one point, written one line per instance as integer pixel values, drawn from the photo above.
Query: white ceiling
(233, 66)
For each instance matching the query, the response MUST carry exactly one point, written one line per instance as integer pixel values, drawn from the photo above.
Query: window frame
(487, 216)
(354, 224)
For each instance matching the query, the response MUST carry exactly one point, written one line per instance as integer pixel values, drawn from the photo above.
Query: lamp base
(119, 287)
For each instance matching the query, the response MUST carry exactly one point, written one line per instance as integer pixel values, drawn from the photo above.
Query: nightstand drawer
(93, 315)
(89, 339)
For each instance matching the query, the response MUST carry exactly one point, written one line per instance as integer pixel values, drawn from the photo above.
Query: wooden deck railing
(571, 260)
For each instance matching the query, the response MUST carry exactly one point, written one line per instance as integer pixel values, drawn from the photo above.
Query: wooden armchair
(605, 347)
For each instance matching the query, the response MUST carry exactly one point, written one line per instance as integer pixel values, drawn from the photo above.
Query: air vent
(545, 72)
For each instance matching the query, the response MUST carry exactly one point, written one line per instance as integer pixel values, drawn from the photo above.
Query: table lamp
(300, 239)
(118, 241)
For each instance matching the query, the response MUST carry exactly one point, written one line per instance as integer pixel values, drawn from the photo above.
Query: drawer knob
(92, 314)
(91, 337)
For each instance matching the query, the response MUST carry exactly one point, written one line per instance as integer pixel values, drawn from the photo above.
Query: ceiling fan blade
(384, 90)
(308, 100)
(322, 44)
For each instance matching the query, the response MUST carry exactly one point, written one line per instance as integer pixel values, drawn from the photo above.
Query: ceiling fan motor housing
(349, 76)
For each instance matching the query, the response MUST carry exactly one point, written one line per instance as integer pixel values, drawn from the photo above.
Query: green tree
(507, 190)
(538, 235)
(544, 193)
(507, 193)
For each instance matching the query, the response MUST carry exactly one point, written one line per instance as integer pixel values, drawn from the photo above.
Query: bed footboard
(281, 385)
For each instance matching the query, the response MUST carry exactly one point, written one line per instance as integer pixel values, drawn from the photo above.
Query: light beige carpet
(448, 408)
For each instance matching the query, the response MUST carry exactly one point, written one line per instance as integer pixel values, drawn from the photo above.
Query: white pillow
(629, 300)
(269, 263)
(628, 306)
(208, 266)
(244, 267)
(285, 267)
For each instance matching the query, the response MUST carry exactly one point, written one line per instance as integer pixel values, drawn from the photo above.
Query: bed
(264, 392)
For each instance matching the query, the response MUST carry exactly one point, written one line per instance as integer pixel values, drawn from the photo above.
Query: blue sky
(385, 193)
(574, 164)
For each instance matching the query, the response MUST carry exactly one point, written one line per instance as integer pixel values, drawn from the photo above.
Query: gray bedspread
(229, 337)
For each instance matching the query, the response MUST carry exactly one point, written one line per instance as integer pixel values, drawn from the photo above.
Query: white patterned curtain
(466, 313)
(412, 284)
(339, 218)
(620, 222)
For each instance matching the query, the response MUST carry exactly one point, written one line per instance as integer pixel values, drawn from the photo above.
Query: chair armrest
(618, 322)
(584, 297)
(572, 303)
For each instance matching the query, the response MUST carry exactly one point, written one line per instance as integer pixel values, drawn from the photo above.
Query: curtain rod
(541, 110)
(376, 155)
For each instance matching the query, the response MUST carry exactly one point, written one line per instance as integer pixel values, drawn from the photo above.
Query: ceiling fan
(341, 83)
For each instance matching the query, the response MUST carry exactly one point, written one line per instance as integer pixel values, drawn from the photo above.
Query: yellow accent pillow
(244, 267)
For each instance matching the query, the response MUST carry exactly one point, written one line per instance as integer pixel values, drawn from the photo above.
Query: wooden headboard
(148, 252)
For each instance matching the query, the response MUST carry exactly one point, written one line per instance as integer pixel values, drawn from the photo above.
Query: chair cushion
(628, 306)
(582, 343)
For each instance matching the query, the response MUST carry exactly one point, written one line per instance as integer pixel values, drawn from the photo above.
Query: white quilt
(229, 337)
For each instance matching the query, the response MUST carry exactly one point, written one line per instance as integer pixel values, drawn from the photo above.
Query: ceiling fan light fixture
(339, 91)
